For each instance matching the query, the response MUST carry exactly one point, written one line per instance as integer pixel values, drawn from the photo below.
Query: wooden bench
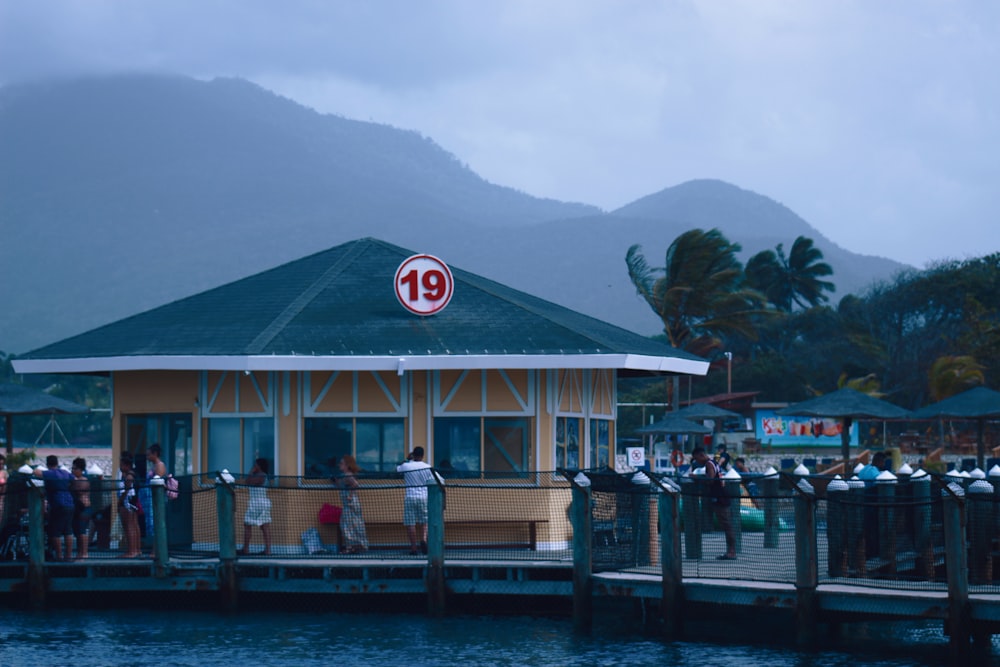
(531, 542)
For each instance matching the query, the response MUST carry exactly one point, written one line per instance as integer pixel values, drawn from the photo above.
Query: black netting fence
(489, 517)
(871, 534)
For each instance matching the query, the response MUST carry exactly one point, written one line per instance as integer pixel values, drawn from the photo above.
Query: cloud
(874, 121)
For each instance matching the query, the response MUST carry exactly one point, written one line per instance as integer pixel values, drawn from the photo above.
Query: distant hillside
(120, 194)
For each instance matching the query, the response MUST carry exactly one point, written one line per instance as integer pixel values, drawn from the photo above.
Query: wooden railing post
(958, 625)
(583, 540)
(160, 551)
(435, 550)
(806, 568)
(225, 495)
(36, 543)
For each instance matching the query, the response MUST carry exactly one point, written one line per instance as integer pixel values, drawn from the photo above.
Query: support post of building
(959, 621)
(806, 569)
(160, 550)
(435, 550)
(583, 541)
(225, 495)
(36, 544)
(668, 501)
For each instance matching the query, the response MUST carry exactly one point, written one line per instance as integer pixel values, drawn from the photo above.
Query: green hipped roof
(337, 309)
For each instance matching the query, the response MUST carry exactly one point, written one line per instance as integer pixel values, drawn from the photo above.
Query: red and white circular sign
(424, 284)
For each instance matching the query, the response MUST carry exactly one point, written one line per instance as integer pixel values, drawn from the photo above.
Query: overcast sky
(875, 120)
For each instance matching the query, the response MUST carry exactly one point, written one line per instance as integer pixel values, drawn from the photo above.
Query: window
(235, 443)
(171, 431)
(457, 444)
(499, 446)
(377, 444)
(567, 447)
(599, 443)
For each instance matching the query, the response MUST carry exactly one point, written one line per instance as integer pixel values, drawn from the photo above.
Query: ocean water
(82, 637)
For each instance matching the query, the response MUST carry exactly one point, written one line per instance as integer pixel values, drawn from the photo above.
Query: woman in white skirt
(258, 508)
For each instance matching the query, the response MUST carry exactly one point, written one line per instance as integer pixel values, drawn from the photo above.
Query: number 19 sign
(424, 284)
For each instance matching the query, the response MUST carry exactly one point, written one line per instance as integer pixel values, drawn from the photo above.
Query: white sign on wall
(636, 456)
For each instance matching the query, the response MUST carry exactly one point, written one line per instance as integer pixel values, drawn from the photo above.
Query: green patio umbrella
(979, 403)
(847, 405)
(16, 399)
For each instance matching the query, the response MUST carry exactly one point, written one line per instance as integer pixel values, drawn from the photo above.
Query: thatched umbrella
(847, 405)
(16, 399)
(980, 403)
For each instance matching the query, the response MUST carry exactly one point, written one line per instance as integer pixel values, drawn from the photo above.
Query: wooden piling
(772, 523)
(836, 527)
(920, 488)
(885, 485)
(228, 583)
(856, 546)
(958, 624)
(36, 544)
(435, 551)
(668, 501)
(583, 541)
(980, 518)
(806, 568)
(691, 508)
(161, 555)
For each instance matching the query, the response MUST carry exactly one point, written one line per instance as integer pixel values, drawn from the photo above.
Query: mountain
(119, 194)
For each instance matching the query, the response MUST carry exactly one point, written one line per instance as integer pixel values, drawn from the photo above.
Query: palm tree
(699, 293)
(950, 375)
(791, 280)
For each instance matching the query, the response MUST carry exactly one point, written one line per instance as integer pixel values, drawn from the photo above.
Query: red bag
(329, 513)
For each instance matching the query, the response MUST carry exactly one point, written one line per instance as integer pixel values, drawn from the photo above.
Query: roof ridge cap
(297, 304)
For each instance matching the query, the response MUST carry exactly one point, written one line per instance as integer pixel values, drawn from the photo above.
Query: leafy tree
(699, 293)
(792, 280)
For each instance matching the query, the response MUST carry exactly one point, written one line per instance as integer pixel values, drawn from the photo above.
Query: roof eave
(398, 363)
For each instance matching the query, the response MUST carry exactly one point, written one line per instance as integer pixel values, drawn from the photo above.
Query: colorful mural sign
(783, 431)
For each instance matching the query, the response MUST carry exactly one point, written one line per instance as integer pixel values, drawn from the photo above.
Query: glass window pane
(379, 444)
(326, 440)
(224, 445)
(567, 450)
(457, 444)
(258, 442)
(506, 445)
(599, 449)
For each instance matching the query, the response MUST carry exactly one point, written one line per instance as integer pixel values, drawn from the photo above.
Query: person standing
(416, 474)
(719, 499)
(352, 523)
(3, 484)
(60, 502)
(79, 486)
(129, 508)
(722, 457)
(258, 507)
